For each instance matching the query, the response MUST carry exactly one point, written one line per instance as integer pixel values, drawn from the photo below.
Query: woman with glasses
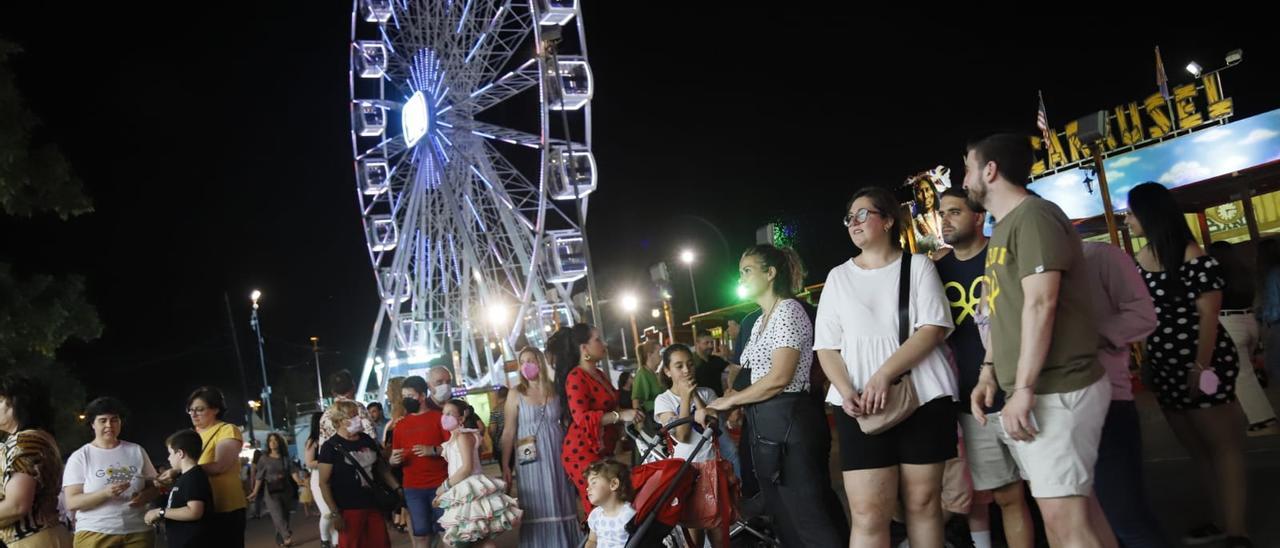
(220, 460)
(789, 439)
(860, 349)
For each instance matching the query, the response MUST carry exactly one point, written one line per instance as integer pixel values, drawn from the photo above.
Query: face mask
(529, 370)
(441, 393)
(355, 427)
(449, 422)
(412, 405)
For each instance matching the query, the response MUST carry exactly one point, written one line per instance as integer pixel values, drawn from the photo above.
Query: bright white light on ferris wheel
(415, 118)
(497, 315)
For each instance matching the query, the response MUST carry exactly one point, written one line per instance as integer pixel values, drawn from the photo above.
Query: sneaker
(1268, 427)
(1204, 534)
(1238, 542)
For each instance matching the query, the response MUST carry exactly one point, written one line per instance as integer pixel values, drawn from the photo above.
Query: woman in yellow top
(220, 460)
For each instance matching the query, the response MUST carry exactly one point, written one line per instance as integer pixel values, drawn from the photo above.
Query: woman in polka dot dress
(1192, 363)
(589, 400)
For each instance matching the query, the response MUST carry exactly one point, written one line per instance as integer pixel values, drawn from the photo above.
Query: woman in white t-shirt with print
(102, 478)
(857, 339)
(684, 399)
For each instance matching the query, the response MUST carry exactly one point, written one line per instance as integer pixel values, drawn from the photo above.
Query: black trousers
(790, 448)
(227, 528)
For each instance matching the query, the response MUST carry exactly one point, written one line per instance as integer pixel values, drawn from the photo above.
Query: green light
(741, 292)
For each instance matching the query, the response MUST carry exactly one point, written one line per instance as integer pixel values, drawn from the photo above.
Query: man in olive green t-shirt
(1043, 350)
(646, 387)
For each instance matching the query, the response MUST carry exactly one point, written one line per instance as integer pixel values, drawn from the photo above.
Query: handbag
(711, 503)
(902, 399)
(527, 447)
(387, 500)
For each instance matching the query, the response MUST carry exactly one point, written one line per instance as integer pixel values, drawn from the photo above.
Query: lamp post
(315, 349)
(262, 359)
(687, 258)
(629, 304)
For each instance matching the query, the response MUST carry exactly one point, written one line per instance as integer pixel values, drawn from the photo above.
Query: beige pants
(90, 539)
(52, 537)
(1243, 329)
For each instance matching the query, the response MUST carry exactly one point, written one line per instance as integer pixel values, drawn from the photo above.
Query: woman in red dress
(589, 401)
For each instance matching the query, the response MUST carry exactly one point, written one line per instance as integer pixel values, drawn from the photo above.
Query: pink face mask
(449, 422)
(529, 370)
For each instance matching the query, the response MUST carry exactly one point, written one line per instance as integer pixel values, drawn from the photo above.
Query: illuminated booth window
(570, 175)
(556, 12)
(371, 119)
(372, 62)
(376, 11)
(373, 175)
(383, 234)
(576, 82)
(566, 256)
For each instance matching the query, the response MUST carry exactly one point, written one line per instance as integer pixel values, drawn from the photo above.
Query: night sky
(215, 145)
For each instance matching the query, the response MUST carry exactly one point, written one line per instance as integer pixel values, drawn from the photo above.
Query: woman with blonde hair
(533, 434)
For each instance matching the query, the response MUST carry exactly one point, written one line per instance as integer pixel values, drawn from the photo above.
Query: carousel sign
(1136, 124)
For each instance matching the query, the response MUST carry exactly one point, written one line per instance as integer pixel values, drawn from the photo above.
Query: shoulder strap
(904, 298)
(214, 437)
(359, 469)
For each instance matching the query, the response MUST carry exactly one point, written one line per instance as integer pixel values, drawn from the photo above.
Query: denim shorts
(423, 516)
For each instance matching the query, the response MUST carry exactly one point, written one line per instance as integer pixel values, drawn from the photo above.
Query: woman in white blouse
(789, 436)
(857, 340)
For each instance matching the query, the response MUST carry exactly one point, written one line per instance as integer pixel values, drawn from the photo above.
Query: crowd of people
(957, 382)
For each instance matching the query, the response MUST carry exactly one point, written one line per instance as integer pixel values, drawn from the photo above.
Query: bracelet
(1017, 388)
(988, 364)
(617, 417)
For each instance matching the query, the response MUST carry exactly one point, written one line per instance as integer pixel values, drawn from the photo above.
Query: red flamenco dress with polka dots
(591, 397)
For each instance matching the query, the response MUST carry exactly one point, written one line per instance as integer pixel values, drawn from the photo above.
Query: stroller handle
(713, 425)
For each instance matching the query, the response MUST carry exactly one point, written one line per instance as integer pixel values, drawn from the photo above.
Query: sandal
(1269, 427)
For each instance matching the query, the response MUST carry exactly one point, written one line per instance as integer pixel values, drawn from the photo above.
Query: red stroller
(663, 485)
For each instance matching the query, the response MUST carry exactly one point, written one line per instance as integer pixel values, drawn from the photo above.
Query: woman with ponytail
(589, 400)
(789, 438)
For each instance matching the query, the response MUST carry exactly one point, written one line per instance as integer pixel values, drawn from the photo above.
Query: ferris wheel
(471, 132)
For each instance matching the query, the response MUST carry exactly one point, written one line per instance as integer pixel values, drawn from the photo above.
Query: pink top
(1122, 308)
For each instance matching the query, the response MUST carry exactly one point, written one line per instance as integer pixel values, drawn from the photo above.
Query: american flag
(1042, 121)
(1162, 79)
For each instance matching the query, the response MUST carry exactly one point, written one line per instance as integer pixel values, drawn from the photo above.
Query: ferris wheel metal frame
(470, 242)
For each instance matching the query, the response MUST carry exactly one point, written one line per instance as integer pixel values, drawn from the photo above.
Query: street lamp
(630, 304)
(1195, 69)
(315, 349)
(262, 358)
(687, 257)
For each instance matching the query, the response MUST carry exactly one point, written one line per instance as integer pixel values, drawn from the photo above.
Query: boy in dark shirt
(184, 515)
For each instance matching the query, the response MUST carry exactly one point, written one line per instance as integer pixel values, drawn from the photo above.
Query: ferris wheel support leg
(368, 358)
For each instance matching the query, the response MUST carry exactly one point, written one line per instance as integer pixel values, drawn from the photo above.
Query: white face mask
(441, 393)
(355, 427)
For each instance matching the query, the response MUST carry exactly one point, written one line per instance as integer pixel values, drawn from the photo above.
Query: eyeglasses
(196, 410)
(858, 217)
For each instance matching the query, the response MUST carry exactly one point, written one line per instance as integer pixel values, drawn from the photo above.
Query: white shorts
(1059, 461)
(991, 463)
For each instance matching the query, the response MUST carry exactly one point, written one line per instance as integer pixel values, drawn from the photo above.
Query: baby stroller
(660, 479)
